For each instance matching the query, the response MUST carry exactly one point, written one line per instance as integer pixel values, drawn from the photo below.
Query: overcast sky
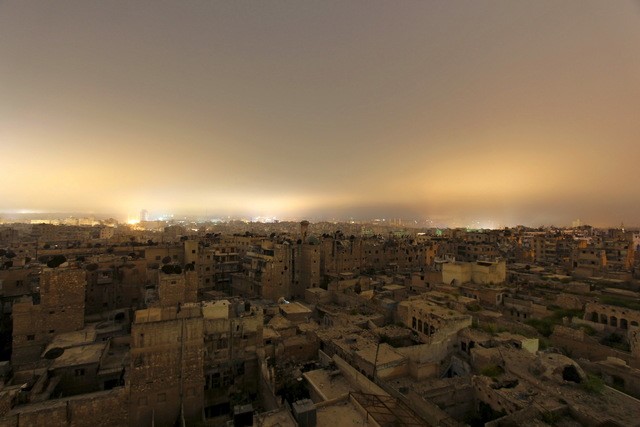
(504, 111)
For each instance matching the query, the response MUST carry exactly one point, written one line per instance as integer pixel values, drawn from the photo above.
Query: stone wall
(61, 309)
(166, 371)
(577, 344)
(62, 295)
(101, 409)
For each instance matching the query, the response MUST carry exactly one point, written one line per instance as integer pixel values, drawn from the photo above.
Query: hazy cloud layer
(513, 111)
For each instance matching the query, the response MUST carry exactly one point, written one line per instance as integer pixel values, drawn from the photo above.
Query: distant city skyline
(513, 112)
(414, 222)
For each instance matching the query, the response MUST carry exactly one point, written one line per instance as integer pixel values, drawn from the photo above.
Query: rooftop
(328, 384)
(343, 414)
(80, 355)
(72, 339)
(294, 308)
(434, 309)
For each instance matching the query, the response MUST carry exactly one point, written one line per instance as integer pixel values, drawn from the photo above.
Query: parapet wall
(101, 409)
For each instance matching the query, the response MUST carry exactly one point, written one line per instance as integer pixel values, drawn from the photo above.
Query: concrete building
(478, 272)
(60, 309)
(232, 339)
(177, 288)
(267, 272)
(166, 378)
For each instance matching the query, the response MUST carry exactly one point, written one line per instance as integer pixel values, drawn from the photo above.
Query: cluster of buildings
(318, 325)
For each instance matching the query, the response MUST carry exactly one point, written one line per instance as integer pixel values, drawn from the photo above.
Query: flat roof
(276, 418)
(343, 414)
(294, 308)
(80, 355)
(433, 308)
(380, 354)
(328, 384)
(74, 338)
(393, 287)
(279, 322)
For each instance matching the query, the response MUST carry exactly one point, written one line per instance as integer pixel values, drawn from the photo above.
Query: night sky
(508, 112)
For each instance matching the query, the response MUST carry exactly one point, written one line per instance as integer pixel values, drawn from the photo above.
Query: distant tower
(144, 215)
(304, 227)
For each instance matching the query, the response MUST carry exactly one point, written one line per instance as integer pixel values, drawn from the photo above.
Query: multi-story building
(232, 338)
(267, 272)
(214, 263)
(165, 378)
(60, 308)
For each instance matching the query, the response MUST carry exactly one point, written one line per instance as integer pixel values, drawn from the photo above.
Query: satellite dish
(54, 353)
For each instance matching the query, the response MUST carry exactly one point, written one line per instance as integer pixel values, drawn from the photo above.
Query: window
(157, 257)
(193, 251)
(79, 372)
(31, 337)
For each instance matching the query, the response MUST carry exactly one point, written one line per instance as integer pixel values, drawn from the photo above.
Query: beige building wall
(166, 369)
